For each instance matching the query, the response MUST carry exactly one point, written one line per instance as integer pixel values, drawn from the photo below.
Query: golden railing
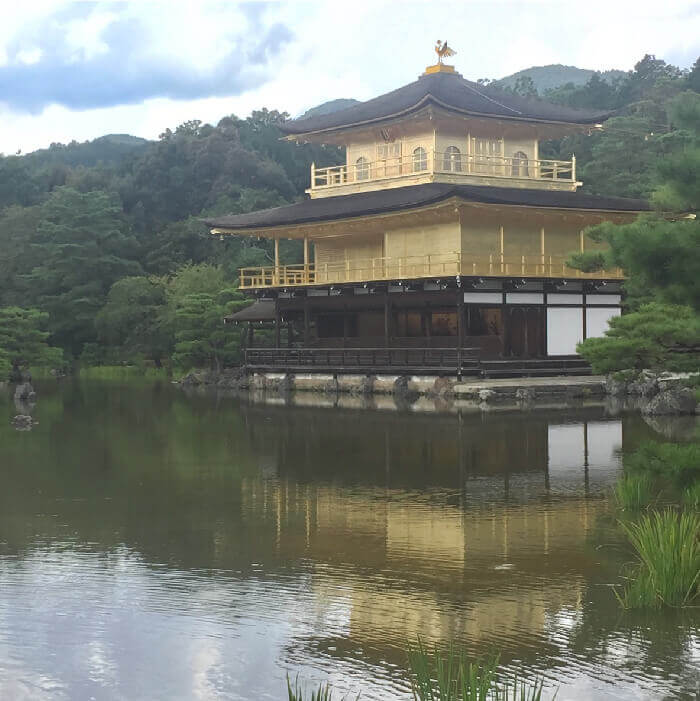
(443, 162)
(413, 267)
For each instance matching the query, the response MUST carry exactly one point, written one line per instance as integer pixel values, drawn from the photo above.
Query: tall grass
(667, 572)
(634, 492)
(296, 693)
(691, 496)
(447, 675)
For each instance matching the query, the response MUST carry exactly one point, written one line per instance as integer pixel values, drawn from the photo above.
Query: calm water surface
(160, 546)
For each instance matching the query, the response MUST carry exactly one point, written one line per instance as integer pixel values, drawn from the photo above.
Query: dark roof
(262, 310)
(402, 198)
(452, 92)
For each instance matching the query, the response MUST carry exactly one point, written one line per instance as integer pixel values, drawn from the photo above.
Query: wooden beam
(306, 250)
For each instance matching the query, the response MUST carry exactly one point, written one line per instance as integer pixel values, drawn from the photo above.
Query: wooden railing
(444, 162)
(415, 267)
(356, 359)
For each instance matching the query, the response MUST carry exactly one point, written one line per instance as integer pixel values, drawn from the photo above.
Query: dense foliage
(105, 238)
(659, 254)
(101, 236)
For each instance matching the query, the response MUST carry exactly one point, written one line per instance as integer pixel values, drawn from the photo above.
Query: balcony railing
(414, 267)
(444, 163)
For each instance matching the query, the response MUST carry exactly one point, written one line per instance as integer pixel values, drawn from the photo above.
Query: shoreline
(652, 394)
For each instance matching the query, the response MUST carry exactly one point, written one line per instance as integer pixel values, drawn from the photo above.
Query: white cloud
(347, 49)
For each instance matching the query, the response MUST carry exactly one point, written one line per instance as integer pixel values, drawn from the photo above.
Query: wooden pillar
(387, 319)
(345, 326)
(290, 334)
(278, 321)
(581, 238)
(277, 260)
(460, 329)
(250, 334)
(501, 244)
(307, 323)
(306, 257)
(542, 248)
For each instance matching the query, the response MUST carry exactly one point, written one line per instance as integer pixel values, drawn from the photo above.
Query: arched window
(420, 160)
(520, 167)
(362, 168)
(452, 160)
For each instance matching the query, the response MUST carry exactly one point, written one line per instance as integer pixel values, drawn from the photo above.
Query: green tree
(659, 257)
(202, 339)
(658, 253)
(657, 337)
(131, 320)
(82, 246)
(23, 340)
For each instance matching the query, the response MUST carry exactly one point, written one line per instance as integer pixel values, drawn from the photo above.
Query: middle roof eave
(415, 196)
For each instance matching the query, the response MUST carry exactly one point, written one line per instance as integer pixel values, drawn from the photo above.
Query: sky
(76, 71)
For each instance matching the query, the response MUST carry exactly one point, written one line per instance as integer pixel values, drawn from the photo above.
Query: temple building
(440, 244)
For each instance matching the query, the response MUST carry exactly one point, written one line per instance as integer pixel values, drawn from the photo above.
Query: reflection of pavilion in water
(442, 562)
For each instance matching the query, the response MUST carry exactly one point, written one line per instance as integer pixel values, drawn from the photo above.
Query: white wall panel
(483, 297)
(603, 299)
(559, 298)
(597, 320)
(524, 298)
(564, 330)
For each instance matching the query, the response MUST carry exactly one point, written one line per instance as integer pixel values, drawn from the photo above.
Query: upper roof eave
(431, 99)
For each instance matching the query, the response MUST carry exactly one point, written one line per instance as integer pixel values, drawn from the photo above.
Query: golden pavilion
(440, 244)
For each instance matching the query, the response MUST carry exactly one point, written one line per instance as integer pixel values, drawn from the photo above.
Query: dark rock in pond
(679, 400)
(23, 422)
(525, 394)
(24, 392)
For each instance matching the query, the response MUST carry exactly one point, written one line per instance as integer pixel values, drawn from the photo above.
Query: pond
(155, 545)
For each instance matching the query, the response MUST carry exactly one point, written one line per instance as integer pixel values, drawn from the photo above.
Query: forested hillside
(549, 77)
(104, 240)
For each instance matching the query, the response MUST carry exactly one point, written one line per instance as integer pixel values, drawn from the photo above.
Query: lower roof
(262, 310)
(413, 196)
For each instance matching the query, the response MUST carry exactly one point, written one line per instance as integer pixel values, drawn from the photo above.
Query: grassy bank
(658, 497)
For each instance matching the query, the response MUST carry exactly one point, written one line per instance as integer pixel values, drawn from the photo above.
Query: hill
(328, 107)
(111, 148)
(553, 76)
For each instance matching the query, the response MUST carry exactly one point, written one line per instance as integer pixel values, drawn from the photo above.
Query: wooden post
(307, 276)
(460, 330)
(277, 260)
(542, 247)
(307, 323)
(573, 167)
(387, 319)
(502, 247)
(278, 321)
(581, 238)
(250, 334)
